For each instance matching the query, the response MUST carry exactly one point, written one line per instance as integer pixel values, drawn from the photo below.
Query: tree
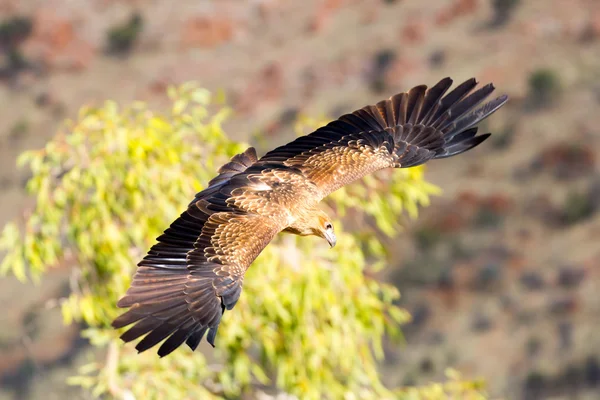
(310, 321)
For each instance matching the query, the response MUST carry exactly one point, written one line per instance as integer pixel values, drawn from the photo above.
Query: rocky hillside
(500, 273)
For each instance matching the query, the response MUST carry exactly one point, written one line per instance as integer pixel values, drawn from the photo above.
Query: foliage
(544, 88)
(453, 389)
(382, 62)
(503, 11)
(121, 38)
(578, 206)
(14, 30)
(310, 321)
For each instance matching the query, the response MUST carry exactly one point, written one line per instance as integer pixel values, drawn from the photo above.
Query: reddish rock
(323, 13)
(566, 160)
(498, 203)
(449, 298)
(272, 81)
(458, 8)
(542, 208)
(462, 275)
(451, 222)
(468, 199)
(9, 7)
(594, 24)
(443, 17)
(414, 31)
(570, 277)
(207, 31)
(564, 305)
(465, 7)
(159, 86)
(468, 206)
(77, 57)
(591, 29)
(55, 43)
(516, 263)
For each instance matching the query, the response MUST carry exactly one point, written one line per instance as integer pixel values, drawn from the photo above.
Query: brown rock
(452, 222)
(468, 199)
(54, 42)
(465, 7)
(564, 305)
(570, 277)
(498, 203)
(159, 86)
(566, 160)
(272, 81)
(323, 13)
(594, 24)
(9, 7)
(206, 31)
(443, 18)
(413, 32)
(591, 31)
(457, 9)
(516, 263)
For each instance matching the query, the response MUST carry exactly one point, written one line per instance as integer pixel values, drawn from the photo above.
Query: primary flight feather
(196, 269)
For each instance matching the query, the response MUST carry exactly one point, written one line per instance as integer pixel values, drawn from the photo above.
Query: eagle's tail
(432, 124)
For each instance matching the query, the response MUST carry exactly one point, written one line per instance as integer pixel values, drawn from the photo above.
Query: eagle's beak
(330, 237)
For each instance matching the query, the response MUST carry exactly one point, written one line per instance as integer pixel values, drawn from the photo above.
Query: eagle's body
(196, 270)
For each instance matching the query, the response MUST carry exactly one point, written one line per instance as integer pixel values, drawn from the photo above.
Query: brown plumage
(196, 270)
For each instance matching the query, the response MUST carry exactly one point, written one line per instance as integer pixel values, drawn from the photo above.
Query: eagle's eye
(328, 226)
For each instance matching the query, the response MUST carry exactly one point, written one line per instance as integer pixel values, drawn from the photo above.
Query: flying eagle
(195, 272)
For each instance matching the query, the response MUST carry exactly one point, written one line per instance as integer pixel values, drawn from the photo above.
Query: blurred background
(500, 273)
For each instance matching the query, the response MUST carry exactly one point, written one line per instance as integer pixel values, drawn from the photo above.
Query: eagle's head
(315, 223)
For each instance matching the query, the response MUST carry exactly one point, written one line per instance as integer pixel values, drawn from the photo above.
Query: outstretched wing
(404, 131)
(196, 270)
(180, 294)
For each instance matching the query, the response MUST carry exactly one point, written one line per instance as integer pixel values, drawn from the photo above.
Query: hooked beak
(330, 237)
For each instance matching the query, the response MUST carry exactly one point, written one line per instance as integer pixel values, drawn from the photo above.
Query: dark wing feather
(404, 131)
(239, 163)
(196, 270)
(179, 295)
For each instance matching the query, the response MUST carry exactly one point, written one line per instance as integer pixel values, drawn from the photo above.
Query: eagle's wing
(196, 270)
(406, 130)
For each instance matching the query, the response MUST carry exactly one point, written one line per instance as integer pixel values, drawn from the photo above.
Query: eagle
(196, 269)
